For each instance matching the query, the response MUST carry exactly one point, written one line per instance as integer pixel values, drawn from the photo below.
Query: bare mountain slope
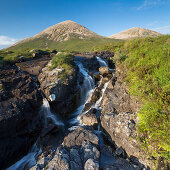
(62, 32)
(65, 30)
(67, 35)
(135, 32)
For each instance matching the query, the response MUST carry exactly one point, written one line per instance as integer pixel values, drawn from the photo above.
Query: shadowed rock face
(63, 95)
(20, 121)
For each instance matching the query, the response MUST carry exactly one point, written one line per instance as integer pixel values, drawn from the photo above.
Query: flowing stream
(87, 89)
(48, 115)
(86, 93)
(28, 160)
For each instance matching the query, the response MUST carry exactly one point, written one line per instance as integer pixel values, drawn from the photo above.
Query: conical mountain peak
(66, 30)
(135, 32)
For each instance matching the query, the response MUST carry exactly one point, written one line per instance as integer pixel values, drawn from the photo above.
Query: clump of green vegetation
(1, 87)
(112, 46)
(64, 61)
(7, 55)
(147, 71)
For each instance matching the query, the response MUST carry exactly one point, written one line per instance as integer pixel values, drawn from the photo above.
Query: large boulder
(20, 122)
(78, 151)
(63, 95)
(105, 71)
(89, 117)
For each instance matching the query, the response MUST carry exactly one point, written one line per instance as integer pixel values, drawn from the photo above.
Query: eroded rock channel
(84, 123)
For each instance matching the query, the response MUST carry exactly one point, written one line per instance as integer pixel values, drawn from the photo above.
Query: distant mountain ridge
(64, 36)
(63, 31)
(71, 36)
(135, 32)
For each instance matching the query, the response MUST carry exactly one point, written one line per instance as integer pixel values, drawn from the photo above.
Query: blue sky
(24, 18)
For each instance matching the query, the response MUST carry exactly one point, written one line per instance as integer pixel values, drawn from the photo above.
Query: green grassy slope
(65, 61)
(147, 71)
(73, 44)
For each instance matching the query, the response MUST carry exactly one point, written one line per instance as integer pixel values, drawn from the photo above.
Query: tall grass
(148, 74)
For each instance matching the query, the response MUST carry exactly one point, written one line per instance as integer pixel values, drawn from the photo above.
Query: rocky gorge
(87, 122)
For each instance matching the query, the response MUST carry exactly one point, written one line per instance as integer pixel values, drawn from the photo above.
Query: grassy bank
(64, 61)
(147, 72)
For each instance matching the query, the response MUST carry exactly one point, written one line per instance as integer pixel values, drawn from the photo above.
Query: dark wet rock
(89, 117)
(87, 106)
(97, 77)
(120, 152)
(90, 63)
(107, 150)
(20, 122)
(63, 96)
(48, 129)
(54, 51)
(79, 136)
(39, 53)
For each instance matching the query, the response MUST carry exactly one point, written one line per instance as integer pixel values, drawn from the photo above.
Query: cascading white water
(104, 159)
(28, 160)
(97, 104)
(88, 83)
(86, 92)
(49, 115)
(101, 62)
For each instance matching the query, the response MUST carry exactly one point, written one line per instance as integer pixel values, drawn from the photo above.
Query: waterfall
(48, 115)
(97, 104)
(101, 62)
(87, 89)
(28, 160)
(88, 83)
(86, 92)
